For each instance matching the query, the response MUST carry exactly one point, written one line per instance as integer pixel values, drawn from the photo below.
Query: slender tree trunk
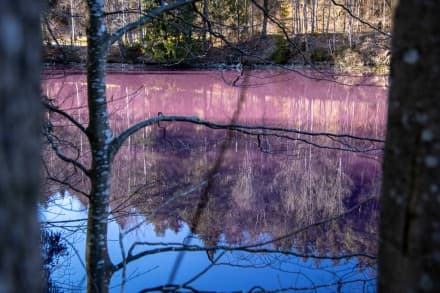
(350, 24)
(72, 24)
(246, 20)
(410, 209)
(312, 17)
(237, 8)
(252, 18)
(328, 18)
(205, 24)
(298, 18)
(293, 17)
(100, 136)
(323, 18)
(305, 25)
(335, 15)
(20, 41)
(359, 15)
(266, 11)
(124, 22)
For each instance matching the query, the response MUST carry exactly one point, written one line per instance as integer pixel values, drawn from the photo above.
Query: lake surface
(262, 211)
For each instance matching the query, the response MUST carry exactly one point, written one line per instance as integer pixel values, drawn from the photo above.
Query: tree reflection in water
(282, 214)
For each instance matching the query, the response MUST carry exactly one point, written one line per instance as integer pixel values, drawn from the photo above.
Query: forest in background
(348, 34)
(409, 250)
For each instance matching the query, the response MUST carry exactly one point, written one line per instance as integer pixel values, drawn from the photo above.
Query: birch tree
(102, 142)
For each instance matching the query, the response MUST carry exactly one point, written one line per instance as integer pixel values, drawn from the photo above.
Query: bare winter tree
(410, 221)
(103, 144)
(19, 147)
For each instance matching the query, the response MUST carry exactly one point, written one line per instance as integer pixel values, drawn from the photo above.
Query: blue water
(235, 271)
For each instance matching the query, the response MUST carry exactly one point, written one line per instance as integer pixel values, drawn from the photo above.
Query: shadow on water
(283, 214)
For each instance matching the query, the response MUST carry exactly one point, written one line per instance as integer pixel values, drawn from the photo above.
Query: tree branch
(148, 17)
(253, 248)
(117, 142)
(360, 19)
(65, 115)
(74, 162)
(324, 76)
(178, 247)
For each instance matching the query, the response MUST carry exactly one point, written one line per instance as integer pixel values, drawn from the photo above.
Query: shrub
(282, 51)
(320, 54)
(348, 59)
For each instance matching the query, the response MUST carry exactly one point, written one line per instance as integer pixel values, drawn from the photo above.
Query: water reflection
(266, 223)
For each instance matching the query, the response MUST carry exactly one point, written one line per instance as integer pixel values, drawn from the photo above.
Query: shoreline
(363, 70)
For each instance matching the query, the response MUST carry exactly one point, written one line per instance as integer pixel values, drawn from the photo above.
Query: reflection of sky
(287, 181)
(269, 271)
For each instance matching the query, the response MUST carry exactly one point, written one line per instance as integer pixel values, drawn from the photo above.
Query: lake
(290, 204)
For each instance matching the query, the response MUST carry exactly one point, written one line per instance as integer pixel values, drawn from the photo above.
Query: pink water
(274, 98)
(264, 188)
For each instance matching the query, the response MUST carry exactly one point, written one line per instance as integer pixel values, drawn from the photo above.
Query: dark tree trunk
(410, 218)
(100, 136)
(265, 18)
(205, 24)
(19, 145)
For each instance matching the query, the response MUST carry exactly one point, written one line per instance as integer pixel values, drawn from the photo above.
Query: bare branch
(182, 247)
(124, 11)
(323, 76)
(55, 148)
(360, 19)
(253, 248)
(205, 270)
(169, 201)
(65, 115)
(148, 17)
(62, 182)
(117, 142)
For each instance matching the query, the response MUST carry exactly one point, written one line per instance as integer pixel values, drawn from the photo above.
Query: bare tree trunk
(266, 11)
(100, 136)
(293, 18)
(323, 18)
(72, 24)
(205, 24)
(410, 218)
(20, 41)
(359, 15)
(305, 25)
(237, 7)
(298, 18)
(328, 18)
(350, 24)
(335, 15)
(312, 17)
(252, 18)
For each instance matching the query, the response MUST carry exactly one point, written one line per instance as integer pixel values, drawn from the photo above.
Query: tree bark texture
(19, 145)
(98, 263)
(409, 256)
